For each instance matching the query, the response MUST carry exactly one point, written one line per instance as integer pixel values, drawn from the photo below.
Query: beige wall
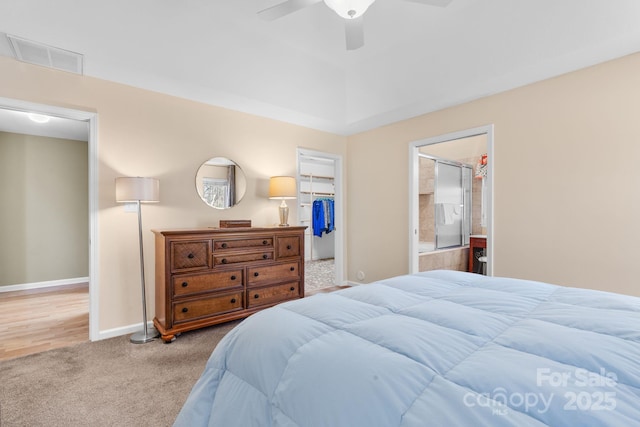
(567, 181)
(44, 212)
(149, 134)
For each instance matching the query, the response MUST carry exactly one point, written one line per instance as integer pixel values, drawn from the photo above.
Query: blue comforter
(438, 348)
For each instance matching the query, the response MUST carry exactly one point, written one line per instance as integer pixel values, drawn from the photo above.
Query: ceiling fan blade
(282, 9)
(354, 31)
(439, 3)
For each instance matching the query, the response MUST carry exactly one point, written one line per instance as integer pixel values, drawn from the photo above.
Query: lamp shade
(282, 187)
(134, 189)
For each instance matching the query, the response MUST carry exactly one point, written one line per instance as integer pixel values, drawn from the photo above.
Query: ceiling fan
(350, 10)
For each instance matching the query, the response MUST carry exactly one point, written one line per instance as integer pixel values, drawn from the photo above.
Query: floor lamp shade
(140, 190)
(281, 188)
(137, 189)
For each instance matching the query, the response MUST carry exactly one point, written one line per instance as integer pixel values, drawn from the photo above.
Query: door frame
(92, 119)
(414, 221)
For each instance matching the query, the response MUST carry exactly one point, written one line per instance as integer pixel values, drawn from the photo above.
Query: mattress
(439, 348)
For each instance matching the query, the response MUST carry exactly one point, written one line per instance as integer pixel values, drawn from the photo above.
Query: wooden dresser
(214, 275)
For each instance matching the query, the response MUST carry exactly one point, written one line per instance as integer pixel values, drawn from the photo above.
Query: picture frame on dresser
(214, 275)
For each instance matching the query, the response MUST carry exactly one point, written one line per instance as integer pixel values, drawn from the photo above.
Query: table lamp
(282, 188)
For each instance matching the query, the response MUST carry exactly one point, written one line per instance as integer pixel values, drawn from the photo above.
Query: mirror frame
(220, 183)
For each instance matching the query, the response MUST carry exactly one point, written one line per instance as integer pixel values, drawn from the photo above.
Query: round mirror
(220, 183)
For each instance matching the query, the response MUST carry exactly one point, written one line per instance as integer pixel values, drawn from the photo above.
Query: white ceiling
(57, 127)
(416, 58)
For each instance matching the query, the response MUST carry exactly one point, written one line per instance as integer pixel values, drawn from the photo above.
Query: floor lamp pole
(147, 334)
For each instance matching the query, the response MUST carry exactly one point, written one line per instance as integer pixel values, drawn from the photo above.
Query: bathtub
(426, 247)
(455, 258)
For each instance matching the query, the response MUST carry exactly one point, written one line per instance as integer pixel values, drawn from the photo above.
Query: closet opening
(320, 210)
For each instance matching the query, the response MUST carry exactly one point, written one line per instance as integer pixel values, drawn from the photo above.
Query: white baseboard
(47, 284)
(124, 330)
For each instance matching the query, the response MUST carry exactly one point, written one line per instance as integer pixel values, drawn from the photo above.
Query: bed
(439, 348)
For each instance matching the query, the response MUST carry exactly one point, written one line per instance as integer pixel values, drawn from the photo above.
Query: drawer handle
(224, 260)
(265, 256)
(264, 242)
(292, 288)
(288, 247)
(224, 245)
(233, 277)
(185, 284)
(190, 256)
(233, 300)
(256, 274)
(256, 296)
(292, 269)
(184, 310)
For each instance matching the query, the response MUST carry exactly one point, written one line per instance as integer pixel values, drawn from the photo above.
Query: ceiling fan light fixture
(349, 9)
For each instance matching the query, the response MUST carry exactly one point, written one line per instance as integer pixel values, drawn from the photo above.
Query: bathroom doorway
(470, 206)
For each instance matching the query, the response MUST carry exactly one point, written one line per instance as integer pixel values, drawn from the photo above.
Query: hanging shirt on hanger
(318, 218)
(323, 220)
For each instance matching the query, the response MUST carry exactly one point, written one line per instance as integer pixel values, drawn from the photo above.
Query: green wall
(44, 220)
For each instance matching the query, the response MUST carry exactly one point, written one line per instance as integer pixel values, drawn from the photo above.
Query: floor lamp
(140, 190)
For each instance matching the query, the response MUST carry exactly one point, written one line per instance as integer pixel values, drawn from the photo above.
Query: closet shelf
(317, 193)
(315, 176)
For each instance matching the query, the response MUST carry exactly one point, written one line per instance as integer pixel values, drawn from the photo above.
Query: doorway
(432, 145)
(89, 120)
(319, 179)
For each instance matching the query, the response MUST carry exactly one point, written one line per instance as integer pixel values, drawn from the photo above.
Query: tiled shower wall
(426, 206)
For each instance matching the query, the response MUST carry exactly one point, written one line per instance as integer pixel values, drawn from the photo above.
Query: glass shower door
(449, 205)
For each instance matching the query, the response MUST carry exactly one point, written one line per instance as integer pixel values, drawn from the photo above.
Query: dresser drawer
(288, 246)
(275, 272)
(187, 285)
(191, 255)
(241, 257)
(204, 307)
(272, 294)
(257, 242)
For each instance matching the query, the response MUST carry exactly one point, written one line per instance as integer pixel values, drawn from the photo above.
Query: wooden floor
(43, 319)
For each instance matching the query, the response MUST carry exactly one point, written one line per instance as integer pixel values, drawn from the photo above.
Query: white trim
(92, 119)
(339, 207)
(123, 330)
(41, 285)
(414, 184)
(94, 265)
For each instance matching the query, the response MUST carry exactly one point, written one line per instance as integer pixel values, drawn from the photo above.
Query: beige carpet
(105, 383)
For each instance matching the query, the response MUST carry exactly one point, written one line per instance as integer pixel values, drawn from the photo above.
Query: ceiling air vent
(47, 56)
